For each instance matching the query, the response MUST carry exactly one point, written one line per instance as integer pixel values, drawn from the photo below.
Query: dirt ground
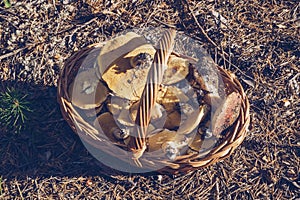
(257, 40)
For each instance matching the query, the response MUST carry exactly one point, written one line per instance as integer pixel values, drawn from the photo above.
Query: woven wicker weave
(90, 135)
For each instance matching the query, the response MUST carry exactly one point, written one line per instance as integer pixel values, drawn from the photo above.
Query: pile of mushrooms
(192, 109)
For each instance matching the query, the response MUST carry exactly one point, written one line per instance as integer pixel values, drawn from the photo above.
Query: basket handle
(148, 98)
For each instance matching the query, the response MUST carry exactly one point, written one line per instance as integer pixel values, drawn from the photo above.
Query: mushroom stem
(137, 142)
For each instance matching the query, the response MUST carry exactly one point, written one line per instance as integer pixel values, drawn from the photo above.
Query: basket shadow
(47, 146)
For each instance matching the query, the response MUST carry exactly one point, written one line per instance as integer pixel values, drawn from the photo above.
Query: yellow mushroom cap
(124, 80)
(116, 48)
(171, 94)
(86, 91)
(177, 70)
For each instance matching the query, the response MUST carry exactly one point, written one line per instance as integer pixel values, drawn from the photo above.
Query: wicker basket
(234, 135)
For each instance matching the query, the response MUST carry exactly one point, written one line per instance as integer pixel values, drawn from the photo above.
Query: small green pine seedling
(14, 108)
(6, 3)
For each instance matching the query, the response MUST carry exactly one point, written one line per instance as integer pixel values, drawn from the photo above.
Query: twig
(203, 31)
(21, 195)
(4, 17)
(238, 69)
(164, 23)
(12, 53)
(149, 17)
(19, 50)
(38, 189)
(200, 27)
(217, 189)
(84, 25)
(76, 27)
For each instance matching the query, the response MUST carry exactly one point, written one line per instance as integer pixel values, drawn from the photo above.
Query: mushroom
(196, 143)
(169, 142)
(206, 74)
(120, 134)
(173, 119)
(87, 91)
(171, 150)
(193, 120)
(116, 48)
(171, 94)
(116, 104)
(125, 80)
(106, 124)
(174, 142)
(92, 113)
(172, 98)
(202, 146)
(158, 115)
(226, 114)
(124, 118)
(177, 70)
(141, 61)
(207, 145)
(203, 140)
(157, 139)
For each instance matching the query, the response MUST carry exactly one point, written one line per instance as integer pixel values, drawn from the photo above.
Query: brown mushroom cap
(197, 141)
(105, 124)
(227, 113)
(86, 91)
(173, 119)
(158, 139)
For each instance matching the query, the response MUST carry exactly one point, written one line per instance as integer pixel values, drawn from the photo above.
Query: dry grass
(258, 40)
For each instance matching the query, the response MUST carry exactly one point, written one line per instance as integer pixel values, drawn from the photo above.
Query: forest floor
(257, 40)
